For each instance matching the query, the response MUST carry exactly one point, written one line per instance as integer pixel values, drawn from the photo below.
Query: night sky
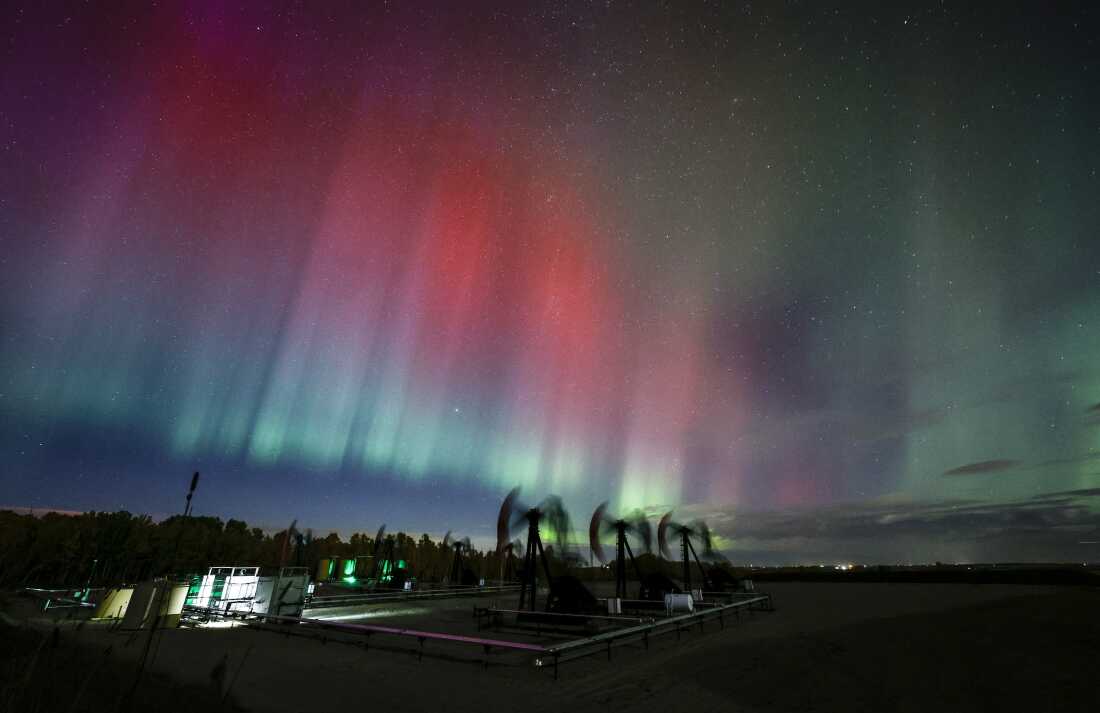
(826, 276)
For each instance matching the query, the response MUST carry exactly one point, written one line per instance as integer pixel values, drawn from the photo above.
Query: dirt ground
(827, 647)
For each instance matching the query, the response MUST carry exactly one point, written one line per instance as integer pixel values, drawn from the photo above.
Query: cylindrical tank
(679, 604)
(346, 568)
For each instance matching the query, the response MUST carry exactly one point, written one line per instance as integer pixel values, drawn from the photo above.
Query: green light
(349, 569)
(349, 580)
(193, 590)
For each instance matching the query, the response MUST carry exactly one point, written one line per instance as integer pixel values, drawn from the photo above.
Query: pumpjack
(567, 593)
(696, 530)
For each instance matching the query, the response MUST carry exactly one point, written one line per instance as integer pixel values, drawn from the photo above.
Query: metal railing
(598, 643)
(539, 621)
(545, 656)
(347, 600)
(369, 630)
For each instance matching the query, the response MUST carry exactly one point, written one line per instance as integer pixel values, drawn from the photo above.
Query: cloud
(985, 466)
(1072, 460)
(1070, 494)
(893, 530)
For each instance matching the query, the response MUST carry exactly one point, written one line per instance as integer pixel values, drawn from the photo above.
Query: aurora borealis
(360, 263)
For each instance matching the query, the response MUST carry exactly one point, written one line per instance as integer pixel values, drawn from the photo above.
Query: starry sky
(825, 275)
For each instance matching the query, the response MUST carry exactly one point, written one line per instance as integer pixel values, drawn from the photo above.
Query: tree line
(108, 548)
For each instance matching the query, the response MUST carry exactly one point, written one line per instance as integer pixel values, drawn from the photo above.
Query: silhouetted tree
(55, 550)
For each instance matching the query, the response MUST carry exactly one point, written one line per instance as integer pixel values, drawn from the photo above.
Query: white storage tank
(679, 604)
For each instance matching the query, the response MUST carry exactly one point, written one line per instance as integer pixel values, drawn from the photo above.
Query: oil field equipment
(224, 588)
(282, 593)
(248, 590)
(326, 569)
(155, 603)
(509, 572)
(459, 573)
(696, 530)
(387, 570)
(603, 523)
(567, 593)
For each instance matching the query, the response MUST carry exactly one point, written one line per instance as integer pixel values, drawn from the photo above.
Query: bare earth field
(827, 647)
